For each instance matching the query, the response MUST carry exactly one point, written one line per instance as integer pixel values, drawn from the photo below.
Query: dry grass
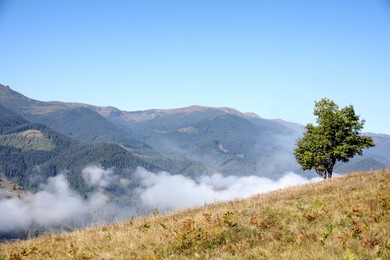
(342, 218)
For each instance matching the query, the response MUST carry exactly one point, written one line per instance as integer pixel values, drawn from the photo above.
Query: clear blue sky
(271, 57)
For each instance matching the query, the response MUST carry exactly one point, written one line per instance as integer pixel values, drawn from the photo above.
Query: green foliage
(336, 137)
(27, 140)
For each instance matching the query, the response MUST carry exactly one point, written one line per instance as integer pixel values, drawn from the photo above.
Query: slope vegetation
(32, 149)
(27, 140)
(341, 218)
(79, 123)
(206, 139)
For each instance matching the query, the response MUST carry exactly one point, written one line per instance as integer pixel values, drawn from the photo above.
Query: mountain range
(42, 139)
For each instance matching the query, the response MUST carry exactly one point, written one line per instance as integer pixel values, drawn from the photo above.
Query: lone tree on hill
(337, 137)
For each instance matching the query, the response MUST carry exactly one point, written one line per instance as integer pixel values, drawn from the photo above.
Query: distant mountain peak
(6, 92)
(144, 115)
(253, 115)
(196, 108)
(14, 98)
(153, 113)
(9, 95)
(102, 110)
(190, 109)
(5, 86)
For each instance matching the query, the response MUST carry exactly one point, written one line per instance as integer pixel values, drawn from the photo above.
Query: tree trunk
(330, 172)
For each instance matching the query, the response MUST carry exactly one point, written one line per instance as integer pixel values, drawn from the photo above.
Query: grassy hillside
(27, 140)
(342, 218)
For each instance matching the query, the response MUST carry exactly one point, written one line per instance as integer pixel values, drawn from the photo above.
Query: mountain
(114, 113)
(233, 144)
(25, 145)
(222, 139)
(229, 141)
(191, 140)
(78, 123)
(10, 120)
(32, 152)
(382, 148)
(374, 158)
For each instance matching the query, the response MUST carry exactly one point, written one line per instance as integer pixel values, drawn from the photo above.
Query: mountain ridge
(141, 115)
(82, 124)
(220, 138)
(106, 111)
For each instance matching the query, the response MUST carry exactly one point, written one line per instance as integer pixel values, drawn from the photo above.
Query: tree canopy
(336, 137)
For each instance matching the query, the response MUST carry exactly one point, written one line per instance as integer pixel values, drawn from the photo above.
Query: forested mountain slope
(192, 140)
(32, 152)
(80, 123)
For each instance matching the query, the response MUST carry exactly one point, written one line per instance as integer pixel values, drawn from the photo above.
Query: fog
(54, 205)
(57, 205)
(164, 191)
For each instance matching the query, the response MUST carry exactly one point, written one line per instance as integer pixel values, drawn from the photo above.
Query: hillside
(341, 218)
(32, 152)
(25, 145)
(228, 140)
(230, 143)
(212, 139)
(206, 139)
(80, 123)
(222, 139)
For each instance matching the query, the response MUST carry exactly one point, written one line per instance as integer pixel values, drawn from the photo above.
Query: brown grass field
(342, 218)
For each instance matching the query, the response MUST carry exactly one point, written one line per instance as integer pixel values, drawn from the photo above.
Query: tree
(336, 137)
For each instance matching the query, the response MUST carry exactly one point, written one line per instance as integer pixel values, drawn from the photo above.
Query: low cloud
(164, 191)
(95, 176)
(57, 205)
(54, 205)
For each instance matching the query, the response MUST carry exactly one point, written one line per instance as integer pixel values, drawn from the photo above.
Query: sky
(274, 58)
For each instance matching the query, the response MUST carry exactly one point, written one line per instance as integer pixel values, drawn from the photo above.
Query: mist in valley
(110, 198)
